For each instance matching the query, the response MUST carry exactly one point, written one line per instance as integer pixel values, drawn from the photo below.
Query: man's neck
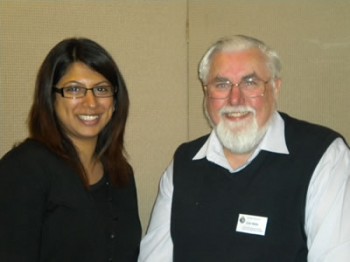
(237, 160)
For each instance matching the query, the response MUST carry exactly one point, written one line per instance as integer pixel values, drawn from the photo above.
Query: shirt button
(110, 259)
(112, 236)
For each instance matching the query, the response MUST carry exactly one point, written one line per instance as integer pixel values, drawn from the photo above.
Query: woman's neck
(93, 167)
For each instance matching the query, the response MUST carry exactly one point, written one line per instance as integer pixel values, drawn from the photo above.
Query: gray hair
(238, 43)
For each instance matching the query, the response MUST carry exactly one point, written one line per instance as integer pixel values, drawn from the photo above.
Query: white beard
(240, 137)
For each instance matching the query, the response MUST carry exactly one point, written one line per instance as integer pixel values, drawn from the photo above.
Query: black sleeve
(22, 205)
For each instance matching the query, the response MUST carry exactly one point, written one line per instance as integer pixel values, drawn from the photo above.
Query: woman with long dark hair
(67, 193)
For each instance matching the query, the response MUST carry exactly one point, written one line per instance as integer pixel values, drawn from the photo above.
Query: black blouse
(46, 214)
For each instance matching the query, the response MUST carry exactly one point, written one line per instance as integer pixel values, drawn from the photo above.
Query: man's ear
(277, 87)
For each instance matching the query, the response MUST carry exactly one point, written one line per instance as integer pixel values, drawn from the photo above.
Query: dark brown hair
(44, 125)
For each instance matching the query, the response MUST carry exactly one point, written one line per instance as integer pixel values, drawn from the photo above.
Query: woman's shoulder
(29, 156)
(28, 149)
(32, 162)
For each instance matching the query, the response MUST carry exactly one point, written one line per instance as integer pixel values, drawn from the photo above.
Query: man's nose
(236, 96)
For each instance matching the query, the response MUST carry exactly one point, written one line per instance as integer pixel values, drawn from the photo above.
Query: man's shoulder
(304, 134)
(299, 125)
(191, 147)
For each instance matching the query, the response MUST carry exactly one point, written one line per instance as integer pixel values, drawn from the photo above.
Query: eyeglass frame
(238, 85)
(61, 91)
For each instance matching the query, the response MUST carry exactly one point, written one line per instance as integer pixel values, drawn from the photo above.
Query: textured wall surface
(158, 44)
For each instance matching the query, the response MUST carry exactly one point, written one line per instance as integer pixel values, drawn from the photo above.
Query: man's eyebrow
(221, 79)
(225, 79)
(252, 75)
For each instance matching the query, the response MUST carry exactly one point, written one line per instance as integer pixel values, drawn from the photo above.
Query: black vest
(208, 199)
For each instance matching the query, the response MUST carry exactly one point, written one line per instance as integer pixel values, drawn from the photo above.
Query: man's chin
(238, 137)
(238, 127)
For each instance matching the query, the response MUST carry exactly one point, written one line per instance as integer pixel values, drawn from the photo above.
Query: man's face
(238, 115)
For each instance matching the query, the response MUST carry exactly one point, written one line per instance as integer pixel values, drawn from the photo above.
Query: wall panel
(312, 37)
(158, 45)
(148, 41)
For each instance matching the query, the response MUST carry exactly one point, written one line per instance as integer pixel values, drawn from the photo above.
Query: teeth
(236, 114)
(237, 111)
(88, 117)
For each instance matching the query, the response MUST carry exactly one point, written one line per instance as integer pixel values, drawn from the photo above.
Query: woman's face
(82, 119)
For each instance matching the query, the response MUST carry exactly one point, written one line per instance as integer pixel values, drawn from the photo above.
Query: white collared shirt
(327, 212)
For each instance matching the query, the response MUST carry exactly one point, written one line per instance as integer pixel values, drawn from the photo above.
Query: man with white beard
(262, 186)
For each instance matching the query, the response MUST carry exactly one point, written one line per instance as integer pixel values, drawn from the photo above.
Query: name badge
(251, 224)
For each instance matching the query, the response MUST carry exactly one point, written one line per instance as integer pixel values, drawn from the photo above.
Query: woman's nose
(90, 98)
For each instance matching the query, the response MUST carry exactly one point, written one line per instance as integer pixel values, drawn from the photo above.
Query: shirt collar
(274, 141)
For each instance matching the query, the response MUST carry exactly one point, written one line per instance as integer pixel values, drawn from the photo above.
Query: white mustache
(237, 110)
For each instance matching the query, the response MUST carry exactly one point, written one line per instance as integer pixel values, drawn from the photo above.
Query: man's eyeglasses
(77, 91)
(250, 87)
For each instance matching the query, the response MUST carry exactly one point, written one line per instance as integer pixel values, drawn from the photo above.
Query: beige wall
(312, 37)
(157, 45)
